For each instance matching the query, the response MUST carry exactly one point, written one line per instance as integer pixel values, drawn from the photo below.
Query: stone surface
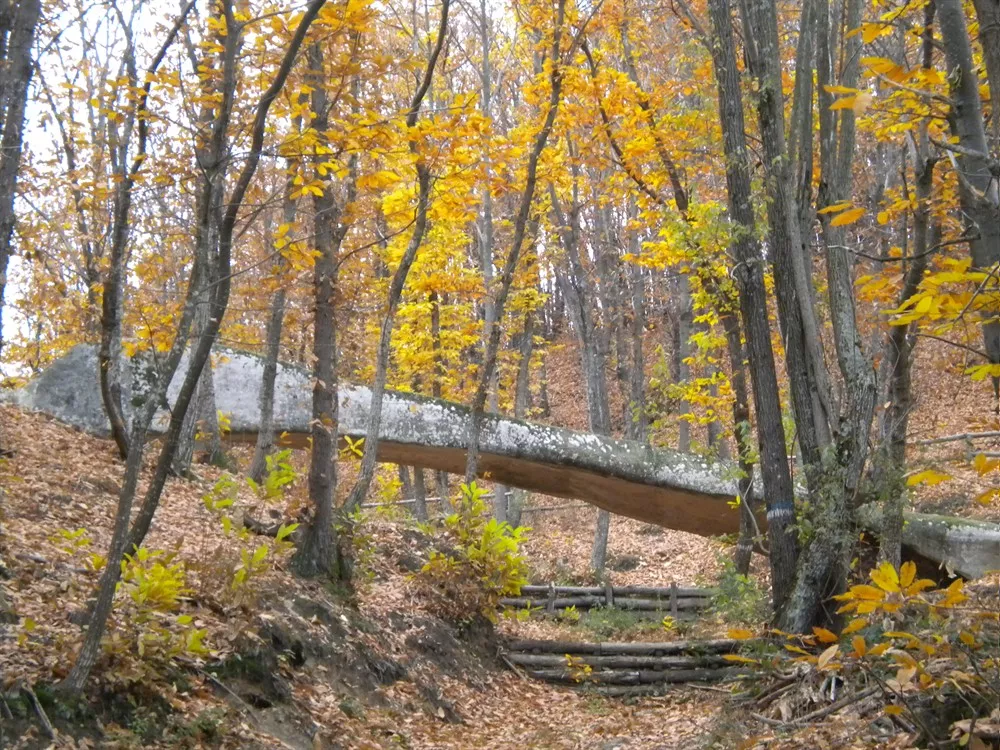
(963, 546)
(663, 487)
(666, 488)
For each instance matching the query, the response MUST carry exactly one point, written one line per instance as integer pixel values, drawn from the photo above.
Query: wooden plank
(642, 591)
(555, 661)
(634, 676)
(666, 648)
(589, 602)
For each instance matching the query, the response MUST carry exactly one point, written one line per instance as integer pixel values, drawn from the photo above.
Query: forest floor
(295, 664)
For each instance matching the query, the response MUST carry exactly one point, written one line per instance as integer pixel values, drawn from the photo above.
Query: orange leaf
(825, 636)
(854, 626)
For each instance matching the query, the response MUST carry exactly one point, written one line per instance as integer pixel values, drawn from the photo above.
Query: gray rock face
(969, 548)
(662, 487)
(666, 488)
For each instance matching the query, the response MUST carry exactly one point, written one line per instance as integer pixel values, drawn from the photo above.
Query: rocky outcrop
(958, 545)
(666, 488)
(662, 487)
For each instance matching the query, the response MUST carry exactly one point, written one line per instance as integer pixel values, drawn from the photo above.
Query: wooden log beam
(555, 661)
(634, 676)
(589, 602)
(663, 592)
(716, 646)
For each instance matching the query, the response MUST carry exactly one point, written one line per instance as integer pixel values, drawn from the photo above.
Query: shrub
(485, 565)
(738, 598)
(146, 622)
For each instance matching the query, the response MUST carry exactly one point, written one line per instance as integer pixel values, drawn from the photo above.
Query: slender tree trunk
(988, 15)
(638, 419)
(369, 456)
(582, 297)
(318, 554)
(419, 495)
(681, 353)
(899, 342)
(522, 394)
(441, 477)
(15, 78)
(743, 434)
(275, 323)
(749, 277)
(517, 243)
(979, 192)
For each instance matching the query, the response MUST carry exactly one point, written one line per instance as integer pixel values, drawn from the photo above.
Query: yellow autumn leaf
(824, 636)
(866, 593)
(846, 102)
(879, 649)
(930, 477)
(827, 656)
(984, 465)
(987, 497)
(740, 659)
(796, 650)
(860, 646)
(848, 217)
(739, 634)
(907, 572)
(835, 207)
(894, 710)
(839, 90)
(886, 578)
(854, 626)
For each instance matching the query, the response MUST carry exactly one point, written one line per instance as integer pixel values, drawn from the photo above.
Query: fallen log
(636, 691)
(633, 676)
(616, 591)
(590, 602)
(623, 661)
(721, 645)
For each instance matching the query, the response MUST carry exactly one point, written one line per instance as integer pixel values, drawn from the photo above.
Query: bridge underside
(669, 507)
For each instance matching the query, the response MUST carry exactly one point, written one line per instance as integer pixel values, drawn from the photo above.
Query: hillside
(297, 665)
(293, 664)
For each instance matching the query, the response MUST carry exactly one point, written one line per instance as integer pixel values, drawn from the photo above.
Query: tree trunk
(582, 297)
(899, 342)
(517, 243)
(15, 78)
(420, 495)
(978, 191)
(522, 393)
(318, 553)
(749, 277)
(275, 322)
(441, 477)
(743, 435)
(988, 15)
(681, 371)
(369, 456)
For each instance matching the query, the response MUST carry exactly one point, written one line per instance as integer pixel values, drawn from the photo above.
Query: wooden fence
(619, 669)
(672, 599)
